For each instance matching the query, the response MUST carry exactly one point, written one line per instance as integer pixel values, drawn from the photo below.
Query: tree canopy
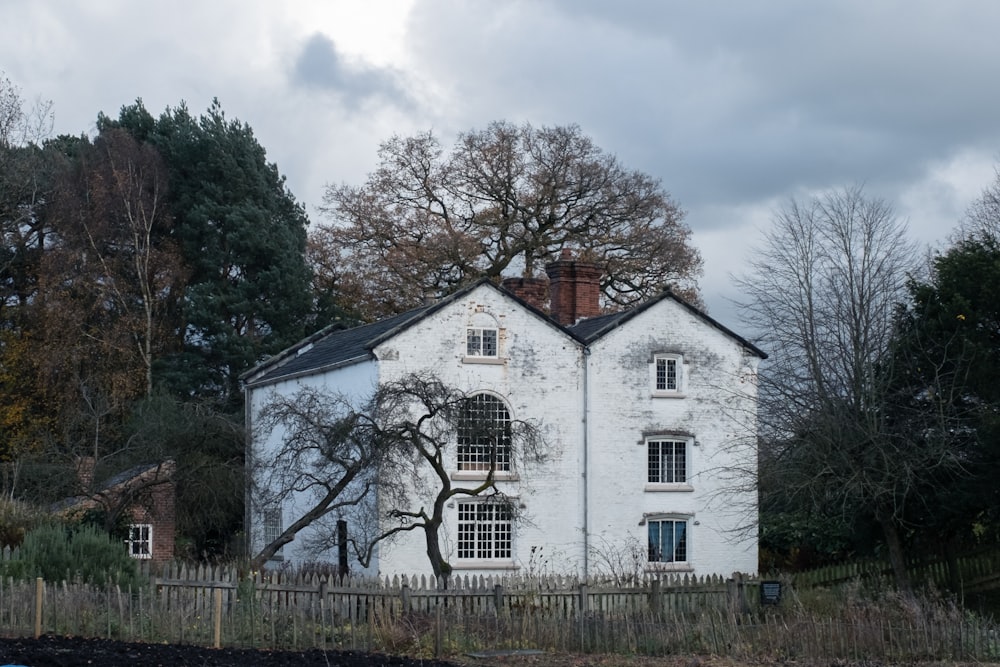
(242, 237)
(503, 200)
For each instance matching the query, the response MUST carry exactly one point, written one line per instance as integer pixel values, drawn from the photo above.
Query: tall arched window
(484, 434)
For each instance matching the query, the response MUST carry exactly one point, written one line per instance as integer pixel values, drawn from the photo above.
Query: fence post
(736, 594)
(39, 592)
(218, 617)
(404, 594)
(498, 598)
(656, 598)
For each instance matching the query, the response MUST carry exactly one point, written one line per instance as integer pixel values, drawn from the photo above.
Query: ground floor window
(667, 540)
(484, 531)
(272, 525)
(140, 540)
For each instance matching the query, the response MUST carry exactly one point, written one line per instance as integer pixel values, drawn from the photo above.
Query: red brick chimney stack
(574, 289)
(533, 290)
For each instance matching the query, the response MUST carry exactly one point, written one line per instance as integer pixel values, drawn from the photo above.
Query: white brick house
(649, 417)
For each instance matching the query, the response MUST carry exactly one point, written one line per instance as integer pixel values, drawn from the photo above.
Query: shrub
(16, 519)
(84, 553)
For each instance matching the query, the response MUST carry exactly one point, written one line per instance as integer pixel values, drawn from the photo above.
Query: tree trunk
(441, 567)
(896, 558)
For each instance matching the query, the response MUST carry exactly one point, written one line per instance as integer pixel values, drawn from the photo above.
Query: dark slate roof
(591, 329)
(336, 345)
(330, 347)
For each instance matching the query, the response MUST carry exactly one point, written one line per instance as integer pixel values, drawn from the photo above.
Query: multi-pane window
(667, 373)
(484, 434)
(140, 540)
(667, 540)
(272, 525)
(484, 531)
(481, 342)
(667, 461)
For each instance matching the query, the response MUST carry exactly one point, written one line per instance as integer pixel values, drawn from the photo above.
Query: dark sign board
(770, 592)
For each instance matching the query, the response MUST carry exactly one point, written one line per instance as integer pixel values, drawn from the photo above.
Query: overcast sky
(735, 106)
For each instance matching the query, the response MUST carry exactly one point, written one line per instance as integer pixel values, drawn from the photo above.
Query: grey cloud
(737, 103)
(319, 65)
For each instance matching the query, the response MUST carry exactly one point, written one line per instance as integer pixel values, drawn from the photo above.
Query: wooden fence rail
(418, 615)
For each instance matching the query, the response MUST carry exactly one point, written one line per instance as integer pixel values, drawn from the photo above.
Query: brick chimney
(533, 290)
(574, 289)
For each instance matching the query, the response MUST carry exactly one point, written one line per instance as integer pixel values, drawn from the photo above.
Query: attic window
(481, 342)
(668, 375)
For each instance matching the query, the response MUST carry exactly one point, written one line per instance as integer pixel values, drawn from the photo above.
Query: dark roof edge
(306, 372)
(461, 293)
(698, 312)
(289, 351)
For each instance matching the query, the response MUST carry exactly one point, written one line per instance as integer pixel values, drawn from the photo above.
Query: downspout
(247, 472)
(586, 463)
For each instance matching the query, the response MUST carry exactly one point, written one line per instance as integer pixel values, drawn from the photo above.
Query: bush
(16, 519)
(84, 553)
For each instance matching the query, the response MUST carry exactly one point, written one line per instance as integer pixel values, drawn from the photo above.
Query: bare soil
(51, 651)
(74, 651)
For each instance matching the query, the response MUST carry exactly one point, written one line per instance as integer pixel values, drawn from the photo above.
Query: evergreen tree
(242, 236)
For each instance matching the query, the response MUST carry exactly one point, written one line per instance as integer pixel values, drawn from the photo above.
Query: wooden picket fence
(975, 572)
(215, 606)
(358, 599)
(656, 615)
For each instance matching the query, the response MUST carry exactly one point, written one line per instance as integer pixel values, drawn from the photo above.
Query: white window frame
(659, 478)
(473, 447)
(271, 525)
(476, 343)
(140, 541)
(484, 534)
(674, 563)
(664, 383)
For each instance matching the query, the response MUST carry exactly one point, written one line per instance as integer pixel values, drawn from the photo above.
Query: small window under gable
(668, 375)
(481, 342)
(482, 339)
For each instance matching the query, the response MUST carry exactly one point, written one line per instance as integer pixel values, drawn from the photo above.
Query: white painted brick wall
(542, 380)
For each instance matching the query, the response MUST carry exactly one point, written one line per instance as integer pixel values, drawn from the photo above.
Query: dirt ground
(74, 651)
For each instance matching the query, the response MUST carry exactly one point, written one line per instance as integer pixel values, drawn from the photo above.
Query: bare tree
(982, 220)
(507, 198)
(429, 419)
(823, 290)
(337, 453)
(327, 454)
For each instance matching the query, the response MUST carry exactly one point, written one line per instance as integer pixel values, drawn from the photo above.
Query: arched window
(484, 434)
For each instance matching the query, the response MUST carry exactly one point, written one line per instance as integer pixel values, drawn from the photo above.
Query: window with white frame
(667, 461)
(271, 525)
(140, 540)
(668, 540)
(482, 342)
(484, 531)
(484, 434)
(668, 372)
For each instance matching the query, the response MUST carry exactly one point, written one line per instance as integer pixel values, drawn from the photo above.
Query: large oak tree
(504, 200)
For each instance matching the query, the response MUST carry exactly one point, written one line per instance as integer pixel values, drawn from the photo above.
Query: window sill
(664, 488)
(494, 361)
(480, 475)
(484, 565)
(668, 394)
(669, 567)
